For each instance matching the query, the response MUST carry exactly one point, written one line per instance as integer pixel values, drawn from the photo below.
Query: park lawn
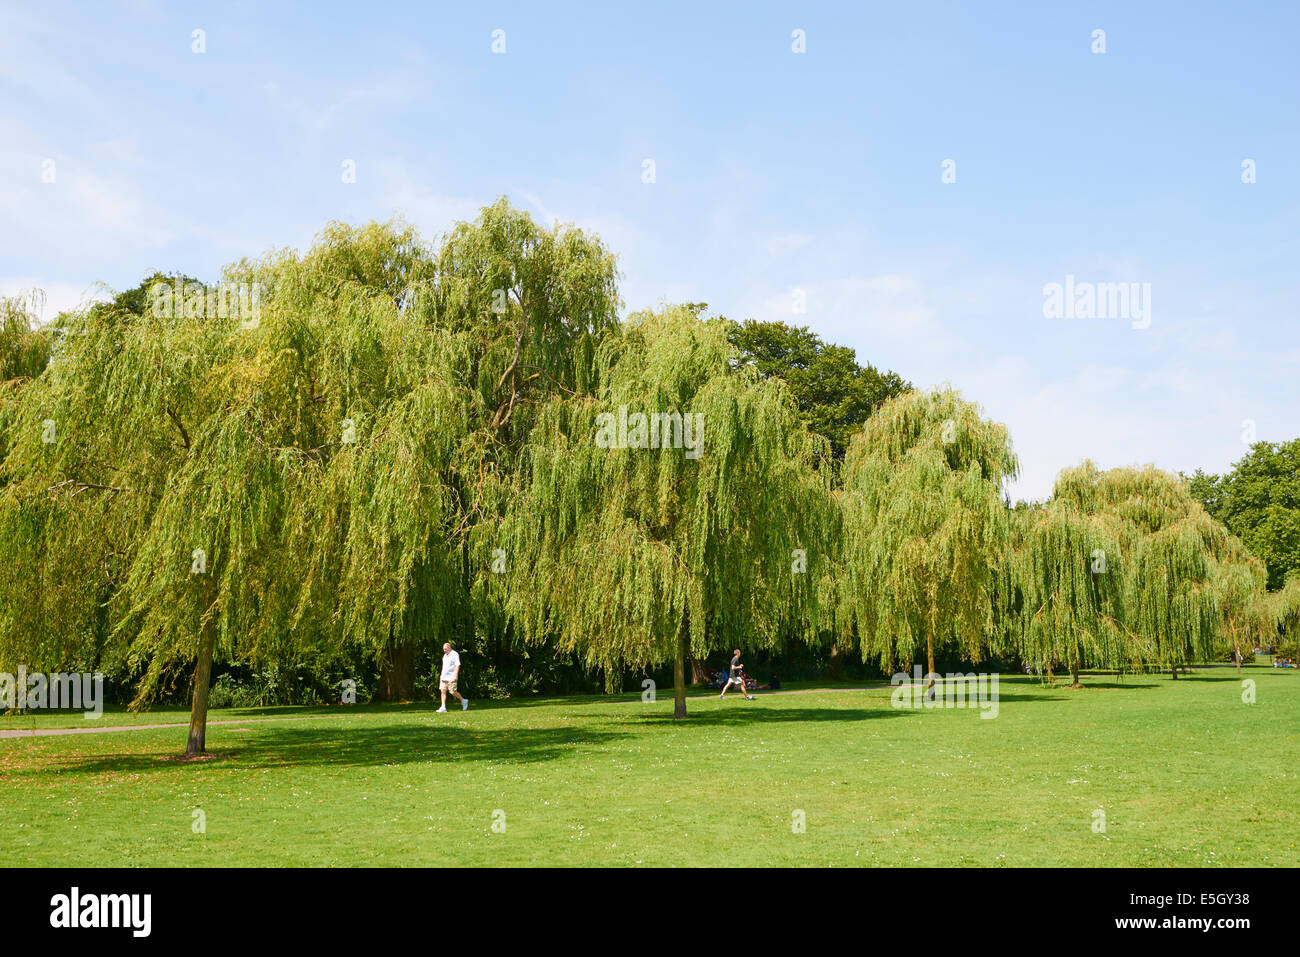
(1186, 773)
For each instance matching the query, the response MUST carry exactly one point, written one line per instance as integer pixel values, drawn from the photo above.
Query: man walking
(736, 676)
(450, 672)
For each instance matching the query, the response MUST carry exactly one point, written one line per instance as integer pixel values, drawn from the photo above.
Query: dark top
(735, 666)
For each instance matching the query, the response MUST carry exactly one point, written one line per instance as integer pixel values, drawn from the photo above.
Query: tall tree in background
(834, 393)
(924, 525)
(635, 548)
(1259, 502)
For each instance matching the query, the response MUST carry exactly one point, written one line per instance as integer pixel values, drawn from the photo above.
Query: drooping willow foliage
(1123, 568)
(1285, 614)
(1061, 584)
(1248, 613)
(175, 480)
(634, 554)
(92, 447)
(24, 346)
(24, 350)
(924, 527)
(1172, 544)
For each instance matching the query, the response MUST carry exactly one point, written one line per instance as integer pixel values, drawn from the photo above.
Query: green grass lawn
(1185, 772)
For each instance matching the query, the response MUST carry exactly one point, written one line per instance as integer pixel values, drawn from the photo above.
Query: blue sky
(778, 175)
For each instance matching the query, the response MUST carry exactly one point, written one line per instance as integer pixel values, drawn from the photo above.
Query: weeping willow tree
(1248, 612)
(93, 443)
(52, 589)
(924, 527)
(1062, 590)
(681, 507)
(525, 309)
(1168, 547)
(184, 484)
(513, 312)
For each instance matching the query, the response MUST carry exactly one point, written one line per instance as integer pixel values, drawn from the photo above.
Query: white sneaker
(464, 704)
(442, 710)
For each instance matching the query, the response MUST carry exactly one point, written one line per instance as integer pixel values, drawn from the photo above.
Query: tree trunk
(396, 681)
(202, 681)
(833, 666)
(699, 673)
(1236, 650)
(1074, 673)
(1173, 670)
(679, 671)
(929, 659)
(1051, 678)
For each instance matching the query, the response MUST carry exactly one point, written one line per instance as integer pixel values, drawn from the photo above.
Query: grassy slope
(1187, 775)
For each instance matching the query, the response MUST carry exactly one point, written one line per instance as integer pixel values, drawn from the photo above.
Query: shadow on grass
(271, 746)
(746, 713)
(1203, 676)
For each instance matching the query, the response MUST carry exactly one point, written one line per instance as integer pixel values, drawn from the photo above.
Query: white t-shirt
(450, 662)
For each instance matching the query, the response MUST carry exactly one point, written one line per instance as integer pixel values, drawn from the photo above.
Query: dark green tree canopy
(1259, 502)
(834, 393)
